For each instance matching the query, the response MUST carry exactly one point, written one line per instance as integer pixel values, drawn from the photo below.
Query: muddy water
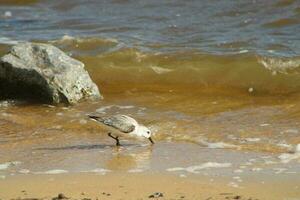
(226, 95)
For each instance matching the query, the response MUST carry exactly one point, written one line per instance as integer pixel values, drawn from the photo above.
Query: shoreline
(142, 186)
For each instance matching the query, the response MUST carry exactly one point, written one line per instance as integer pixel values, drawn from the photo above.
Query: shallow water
(214, 75)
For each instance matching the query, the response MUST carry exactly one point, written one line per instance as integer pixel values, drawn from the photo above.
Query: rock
(156, 195)
(60, 196)
(107, 194)
(38, 71)
(237, 197)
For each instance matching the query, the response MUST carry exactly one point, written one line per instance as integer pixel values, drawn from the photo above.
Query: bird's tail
(96, 118)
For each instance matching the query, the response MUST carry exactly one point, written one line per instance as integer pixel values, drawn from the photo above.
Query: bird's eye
(148, 132)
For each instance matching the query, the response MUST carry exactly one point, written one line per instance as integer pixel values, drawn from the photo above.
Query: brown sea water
(215, 79)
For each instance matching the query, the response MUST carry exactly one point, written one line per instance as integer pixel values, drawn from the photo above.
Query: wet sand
(142, 186)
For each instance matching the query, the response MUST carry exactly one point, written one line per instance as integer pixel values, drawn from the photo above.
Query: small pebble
(107, 194)
(156, 195)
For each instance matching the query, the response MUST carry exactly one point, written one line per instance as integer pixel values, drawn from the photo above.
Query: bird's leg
(116, 138)
(118, 142)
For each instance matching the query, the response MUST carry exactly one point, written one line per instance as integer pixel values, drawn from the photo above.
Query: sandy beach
(142, 186)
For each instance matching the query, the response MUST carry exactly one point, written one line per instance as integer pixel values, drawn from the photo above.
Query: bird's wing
(121, 122)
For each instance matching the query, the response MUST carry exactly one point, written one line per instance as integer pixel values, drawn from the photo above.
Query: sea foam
(53, 171)
(195, 169)
(6, 165)
(287, 157)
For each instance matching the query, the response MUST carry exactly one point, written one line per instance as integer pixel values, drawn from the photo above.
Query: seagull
(123, 126)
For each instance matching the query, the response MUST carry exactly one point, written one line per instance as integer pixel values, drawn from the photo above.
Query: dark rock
(60, 196)
(156, 195)
(43, 72)
(107, 194)
(237, 197)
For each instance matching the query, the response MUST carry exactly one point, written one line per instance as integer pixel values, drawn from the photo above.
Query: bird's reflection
(136, 159)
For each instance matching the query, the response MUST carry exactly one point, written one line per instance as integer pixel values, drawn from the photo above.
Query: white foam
(7, 14)
(243, 51)
(233, 184)
(281, 65)
(287, 157)
(196, 168)
(24, 171)
(269, 162)
(252, 160)
(138, 170)
(279, 170)
(219, 145)
(98, 171)
(252, 139)
(292, 131)
(6, 165)
(284, 145)
(54, 171)
(256, 169)
(262, 125)
(5, 40)
(6, 103)
(67, 37)
(182, 176)
(57, 127)
(176, 169)
(104, 108)
(160, 70)
(238, 171)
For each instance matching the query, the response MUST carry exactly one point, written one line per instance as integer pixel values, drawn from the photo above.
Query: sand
(139, 186)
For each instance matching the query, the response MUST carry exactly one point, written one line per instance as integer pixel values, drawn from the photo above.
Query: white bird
(123, 126)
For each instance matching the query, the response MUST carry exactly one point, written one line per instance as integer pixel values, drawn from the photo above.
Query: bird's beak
(151, 140)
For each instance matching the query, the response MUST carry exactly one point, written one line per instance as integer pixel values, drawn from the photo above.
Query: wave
(108, 61)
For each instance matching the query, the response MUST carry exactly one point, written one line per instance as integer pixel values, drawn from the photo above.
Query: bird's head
(145, 132)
